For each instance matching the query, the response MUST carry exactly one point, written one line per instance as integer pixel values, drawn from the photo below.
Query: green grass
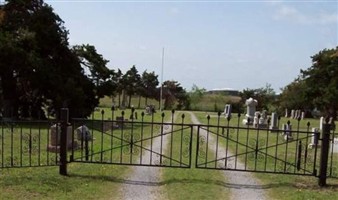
(280, 186)
(103, 181)
(192, 183)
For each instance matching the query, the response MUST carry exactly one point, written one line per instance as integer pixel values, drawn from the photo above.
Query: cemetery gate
(168, 141)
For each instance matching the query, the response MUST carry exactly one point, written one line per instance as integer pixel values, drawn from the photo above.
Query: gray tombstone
(314, 138)
(287, 132)
(274, 122)
(302, 115)
(83, 133)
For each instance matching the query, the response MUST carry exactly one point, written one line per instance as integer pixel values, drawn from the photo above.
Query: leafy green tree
(149, 84)
(39, 71)
(97, 69)
(293, 96)
(173, 93)
(195, 95)
(321, 81)
(130, 80)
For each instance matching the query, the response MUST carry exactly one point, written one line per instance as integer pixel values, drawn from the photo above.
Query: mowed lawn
(103, 181)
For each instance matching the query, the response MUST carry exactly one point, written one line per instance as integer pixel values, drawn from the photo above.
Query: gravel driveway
(144, 182)
(244, 185)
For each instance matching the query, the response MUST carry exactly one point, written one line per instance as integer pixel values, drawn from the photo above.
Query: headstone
(296, 114)
(299, 114)
(250, 111)
(255, 121)
(321, 122)
(302, 115)
(292, 115)
(286, 112)
(55, 138)
(314, 138)
(263, 120)
(334, 149)
(227, 110)
(274, 122)
(83, 133)
(287, 132)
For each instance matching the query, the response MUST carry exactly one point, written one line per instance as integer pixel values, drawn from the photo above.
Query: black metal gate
(256, 150)
(131, 141)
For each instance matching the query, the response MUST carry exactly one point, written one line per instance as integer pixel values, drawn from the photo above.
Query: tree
(130, 80)
(195, 95)
(39, 71)
(149, 83)
(173, 93)
(97, 69)
(321, 81)
(293, 96)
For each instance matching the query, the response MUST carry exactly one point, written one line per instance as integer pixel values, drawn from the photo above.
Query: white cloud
(289, 13)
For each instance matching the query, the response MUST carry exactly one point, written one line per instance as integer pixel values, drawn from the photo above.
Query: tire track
(245, 185)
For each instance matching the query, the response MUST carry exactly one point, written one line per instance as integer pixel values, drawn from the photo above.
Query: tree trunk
(10, 97)
(129, 101)
(119, 99)
(139, 101)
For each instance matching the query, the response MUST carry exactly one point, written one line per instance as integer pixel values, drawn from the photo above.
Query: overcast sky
(217, 44)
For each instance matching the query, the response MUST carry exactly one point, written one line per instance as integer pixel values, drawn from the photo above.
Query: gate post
(63, 142)
(324, 154)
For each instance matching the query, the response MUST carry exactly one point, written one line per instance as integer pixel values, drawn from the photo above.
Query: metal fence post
(324, 154)
(63, 142)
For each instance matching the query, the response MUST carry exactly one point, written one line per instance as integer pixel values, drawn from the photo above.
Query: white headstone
(292, 115)
(321, 122)
(274, 122)
(286, 112)
(250, 110)
(314, 138)
(303, 115)
(227, 110)
(334, 149)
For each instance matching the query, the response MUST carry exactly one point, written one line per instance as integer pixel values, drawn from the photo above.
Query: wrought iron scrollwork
(11, 161)
(30, 143)
(256, 145)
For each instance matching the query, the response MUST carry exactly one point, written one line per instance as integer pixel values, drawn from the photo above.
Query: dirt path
(143, 182)
(245, 186)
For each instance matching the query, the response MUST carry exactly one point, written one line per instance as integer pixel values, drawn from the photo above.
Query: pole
(161, 92)
(324, 155)
(63, 142)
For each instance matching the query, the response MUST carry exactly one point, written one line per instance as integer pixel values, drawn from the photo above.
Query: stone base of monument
(56, 149)
(288, 137)
(247, 122)
(273, 129)
(311, 146)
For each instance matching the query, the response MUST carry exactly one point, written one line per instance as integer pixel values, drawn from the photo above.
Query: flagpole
(161, 91)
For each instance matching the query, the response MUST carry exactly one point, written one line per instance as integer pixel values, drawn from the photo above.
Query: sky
(210, 44)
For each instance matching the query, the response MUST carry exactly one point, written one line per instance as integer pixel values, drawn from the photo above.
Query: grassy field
(102, 181)
(279, 186)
